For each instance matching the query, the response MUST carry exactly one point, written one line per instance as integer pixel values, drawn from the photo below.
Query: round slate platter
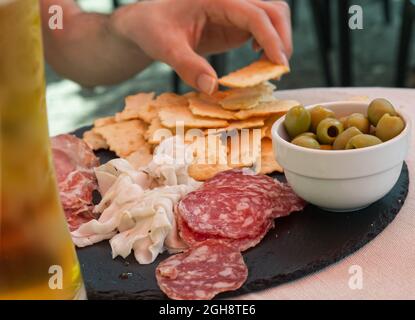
(300, 244)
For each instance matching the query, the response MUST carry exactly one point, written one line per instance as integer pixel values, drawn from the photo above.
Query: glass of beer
(37, 256)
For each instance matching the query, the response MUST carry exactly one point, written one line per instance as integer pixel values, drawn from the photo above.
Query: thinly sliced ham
(74, 162)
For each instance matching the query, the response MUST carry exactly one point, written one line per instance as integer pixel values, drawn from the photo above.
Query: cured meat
(74, 162)
(236, 205)
(201, 272)
(226, 211)
(191, 237)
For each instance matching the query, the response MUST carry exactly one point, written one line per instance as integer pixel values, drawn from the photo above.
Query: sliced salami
(284, 199)
(191, 237)
(226, 211)
(203, 271)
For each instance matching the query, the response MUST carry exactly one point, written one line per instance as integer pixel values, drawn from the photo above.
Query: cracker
(210, 158)
(246, 98)
(100, 122)
(169, 99)
(124, 137)
(268, 162)
(203, 107)
(141, 157)
(269, 122)
(138, 107)
(202, 172)
(244, 148)
(266, 109)
(156, 132)
(254, 74)
(244, 124)
(175, 109)
(94, 140)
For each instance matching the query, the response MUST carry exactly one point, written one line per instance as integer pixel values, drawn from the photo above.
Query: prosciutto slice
(74, 162)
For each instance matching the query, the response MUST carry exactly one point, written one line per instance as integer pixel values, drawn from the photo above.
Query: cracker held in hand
(174, 110)
(266, 109)
(254, 74)
(124, 137)
(138, 107)
(246, 98)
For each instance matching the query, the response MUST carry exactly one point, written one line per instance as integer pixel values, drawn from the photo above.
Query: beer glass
(37, 257)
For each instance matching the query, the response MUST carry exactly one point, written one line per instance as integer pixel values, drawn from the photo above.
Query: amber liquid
(37, 257)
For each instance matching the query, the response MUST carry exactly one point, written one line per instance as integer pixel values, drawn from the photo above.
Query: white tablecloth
(387, 263)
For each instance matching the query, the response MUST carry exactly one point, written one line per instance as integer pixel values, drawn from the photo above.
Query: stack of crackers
(249, 104)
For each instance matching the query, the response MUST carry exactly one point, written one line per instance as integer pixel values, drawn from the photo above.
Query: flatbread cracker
(94, 140)
(178, 111)
(203, 107)
(254, 74)
(169, 99)
(124, 137)
(156, 132)
(269, 122)
(244, 148)
(202, 172)
(244, 124)
(265, 109)
(268, 162)
(138, 107)
(141, 157)
(100, 122)
(246, 98)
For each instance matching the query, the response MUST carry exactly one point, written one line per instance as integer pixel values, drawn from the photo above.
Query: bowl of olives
(342, 156)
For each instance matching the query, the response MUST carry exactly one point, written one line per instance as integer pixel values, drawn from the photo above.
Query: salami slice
(191, 237)
(284, 199)
(202, 272)
(226, 211)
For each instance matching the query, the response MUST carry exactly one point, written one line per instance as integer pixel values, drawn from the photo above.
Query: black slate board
(299, 245)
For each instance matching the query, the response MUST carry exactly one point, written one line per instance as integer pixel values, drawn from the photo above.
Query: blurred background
(326, 53)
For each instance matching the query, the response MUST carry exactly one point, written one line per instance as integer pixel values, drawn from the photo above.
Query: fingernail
(285, 60)
(206, 83)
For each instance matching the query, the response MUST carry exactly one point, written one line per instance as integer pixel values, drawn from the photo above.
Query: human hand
(178, 32)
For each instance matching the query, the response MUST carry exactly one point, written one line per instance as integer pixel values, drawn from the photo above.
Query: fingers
(248, 16)
(280, 15)
(193, 69)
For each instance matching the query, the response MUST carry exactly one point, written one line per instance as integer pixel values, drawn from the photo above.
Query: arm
(98, 49)
(88, 49)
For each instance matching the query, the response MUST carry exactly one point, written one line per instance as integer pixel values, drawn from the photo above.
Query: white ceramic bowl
(345, 180)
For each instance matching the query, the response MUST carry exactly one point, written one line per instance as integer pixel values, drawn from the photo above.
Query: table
(388, 262)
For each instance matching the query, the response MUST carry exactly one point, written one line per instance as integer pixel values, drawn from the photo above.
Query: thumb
(194, 70)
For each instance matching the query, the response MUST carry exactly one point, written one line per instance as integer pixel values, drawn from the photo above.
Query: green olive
(362, 141)
(343, 121)
(389, 127)
(341, 141)
(319, 113)
(297, 121)
(328, 130)
(308, 134)
(306, 142)
(378, 108)
(359, 121)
